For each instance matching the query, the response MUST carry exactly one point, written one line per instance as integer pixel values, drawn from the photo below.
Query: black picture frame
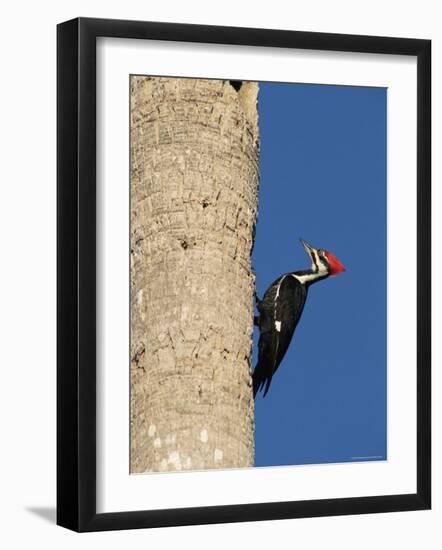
(76, 274)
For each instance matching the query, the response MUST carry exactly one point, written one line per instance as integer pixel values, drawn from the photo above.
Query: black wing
(280, 310)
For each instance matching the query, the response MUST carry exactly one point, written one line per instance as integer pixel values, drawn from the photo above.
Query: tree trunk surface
(194, 184)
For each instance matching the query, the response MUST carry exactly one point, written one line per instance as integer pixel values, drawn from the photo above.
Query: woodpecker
(280, 311)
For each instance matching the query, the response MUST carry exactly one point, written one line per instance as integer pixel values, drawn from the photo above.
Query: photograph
(258, 274)
(243, 274)
(219, 316)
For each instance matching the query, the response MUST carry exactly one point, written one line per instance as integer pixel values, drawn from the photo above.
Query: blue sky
(323, 178)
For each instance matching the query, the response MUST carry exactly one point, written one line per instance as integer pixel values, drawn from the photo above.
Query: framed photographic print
(243, 274)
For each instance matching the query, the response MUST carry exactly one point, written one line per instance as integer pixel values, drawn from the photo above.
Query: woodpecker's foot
(256, 320)
(257, 300)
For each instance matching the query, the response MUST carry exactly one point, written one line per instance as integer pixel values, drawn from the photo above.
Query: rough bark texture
(194, 182)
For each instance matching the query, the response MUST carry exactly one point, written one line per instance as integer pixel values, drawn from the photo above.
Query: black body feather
(280, 310)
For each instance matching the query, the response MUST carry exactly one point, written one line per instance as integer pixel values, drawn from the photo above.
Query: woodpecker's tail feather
(266, 389)
(260, 379)
(256, 385)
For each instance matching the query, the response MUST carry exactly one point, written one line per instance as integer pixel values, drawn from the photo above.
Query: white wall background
(27, 274)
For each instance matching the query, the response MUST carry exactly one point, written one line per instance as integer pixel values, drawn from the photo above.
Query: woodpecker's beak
(311, 253)
(308, 248)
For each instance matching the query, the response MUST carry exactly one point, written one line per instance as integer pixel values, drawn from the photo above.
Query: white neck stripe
(308, 277)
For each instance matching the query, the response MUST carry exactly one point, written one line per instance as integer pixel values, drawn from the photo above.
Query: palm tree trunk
(194, 181)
